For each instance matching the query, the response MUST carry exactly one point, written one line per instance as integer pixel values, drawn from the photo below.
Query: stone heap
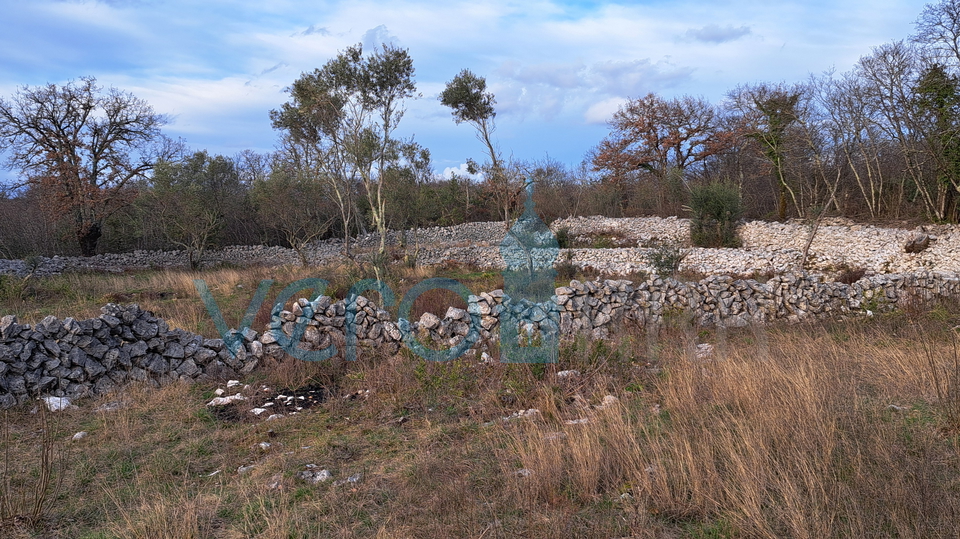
(70, 358)
(638, 231)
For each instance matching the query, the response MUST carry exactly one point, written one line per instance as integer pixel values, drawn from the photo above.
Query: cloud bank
(559, 69)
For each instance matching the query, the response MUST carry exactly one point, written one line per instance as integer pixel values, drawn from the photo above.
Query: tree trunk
(87, 238)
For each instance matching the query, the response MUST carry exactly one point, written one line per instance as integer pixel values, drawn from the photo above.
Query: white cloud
(460, 171)
(313, 29)
(549, 91)
(559, 68)
(375, 38)
(603, 111)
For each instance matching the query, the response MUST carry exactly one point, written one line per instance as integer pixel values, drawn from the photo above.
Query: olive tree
(471, 103)
(193, 201)
(342, 116)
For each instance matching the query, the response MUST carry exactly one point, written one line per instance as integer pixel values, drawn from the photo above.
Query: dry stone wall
(126, 344)
(767, 248)
(600, 308)
(71, 358)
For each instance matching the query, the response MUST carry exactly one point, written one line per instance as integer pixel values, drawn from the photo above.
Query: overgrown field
(839, 429)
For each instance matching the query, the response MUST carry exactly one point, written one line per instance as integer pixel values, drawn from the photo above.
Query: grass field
(833, 429)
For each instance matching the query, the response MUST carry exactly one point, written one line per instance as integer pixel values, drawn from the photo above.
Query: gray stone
(157, 364)
(9, 327)
(7, 401)
(138, 375)
(50, 326)
(145, 330)
(188, 368)
(205, 355)
(16, 384)
(429, 321)
(111, 321)
(174, 350)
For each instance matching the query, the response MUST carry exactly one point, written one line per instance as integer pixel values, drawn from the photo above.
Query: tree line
(96, 174)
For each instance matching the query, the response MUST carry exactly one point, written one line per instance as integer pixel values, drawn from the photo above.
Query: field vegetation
(829, 429)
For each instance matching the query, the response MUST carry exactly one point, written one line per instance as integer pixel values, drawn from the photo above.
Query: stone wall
(600, 308)
(767, 248)
(126, 344)
(70, 358)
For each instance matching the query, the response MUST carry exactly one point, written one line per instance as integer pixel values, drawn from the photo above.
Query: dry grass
(821, 430)
(800, 442)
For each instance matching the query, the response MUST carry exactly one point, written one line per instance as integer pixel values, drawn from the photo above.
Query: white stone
(56, 404)
(221, 401)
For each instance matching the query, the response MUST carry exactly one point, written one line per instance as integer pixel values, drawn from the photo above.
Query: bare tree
(938, 31)
(660, 136)
(856, 137)
(81, 147)
(769, 112)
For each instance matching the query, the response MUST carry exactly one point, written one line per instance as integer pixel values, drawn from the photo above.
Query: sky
(559, 69)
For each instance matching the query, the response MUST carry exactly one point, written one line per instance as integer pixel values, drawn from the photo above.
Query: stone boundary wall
(767, 248)
(433, 242)
(126, 344)
(70, 358)
(599, 308)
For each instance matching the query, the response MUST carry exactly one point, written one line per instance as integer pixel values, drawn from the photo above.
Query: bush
(604, 242)
(665, 257)
(566, 269)
(563, 238)
(715, 209)
(849, 275)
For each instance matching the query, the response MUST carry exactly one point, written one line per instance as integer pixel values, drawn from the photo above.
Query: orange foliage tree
(656, 135)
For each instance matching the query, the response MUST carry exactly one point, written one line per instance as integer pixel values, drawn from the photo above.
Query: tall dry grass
(830, 432)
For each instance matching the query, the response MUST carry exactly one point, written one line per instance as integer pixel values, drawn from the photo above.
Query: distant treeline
(879, 142)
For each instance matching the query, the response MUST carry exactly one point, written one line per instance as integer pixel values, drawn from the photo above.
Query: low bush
(666, 257)
(715, 209)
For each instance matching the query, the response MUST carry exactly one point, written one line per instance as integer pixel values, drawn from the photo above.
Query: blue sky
(559, 69)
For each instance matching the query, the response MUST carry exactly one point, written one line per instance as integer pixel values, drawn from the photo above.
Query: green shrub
(665, 257)
(715, 209)
(563, 238)
(604, 242)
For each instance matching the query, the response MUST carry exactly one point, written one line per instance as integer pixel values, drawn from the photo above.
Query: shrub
(604, 242)
(849, 275)
(715, 209)
(665, 257)
(563, 238)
